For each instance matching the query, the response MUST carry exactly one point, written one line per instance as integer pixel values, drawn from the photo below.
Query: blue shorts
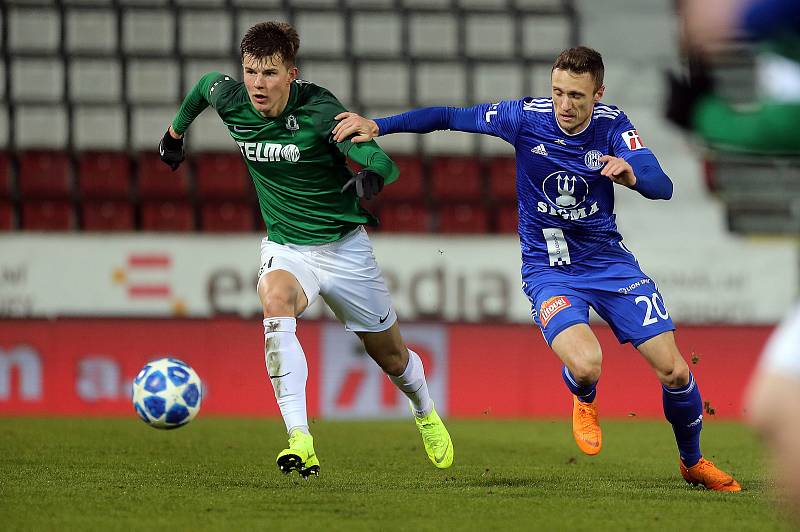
(611, 282)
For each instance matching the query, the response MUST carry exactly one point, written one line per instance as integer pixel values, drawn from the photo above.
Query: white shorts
(344, 273)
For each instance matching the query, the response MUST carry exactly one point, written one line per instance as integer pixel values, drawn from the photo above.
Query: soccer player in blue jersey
(571, 150)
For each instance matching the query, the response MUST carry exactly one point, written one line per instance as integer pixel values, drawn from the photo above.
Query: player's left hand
(367, 183)
(618, 170)
(349, 124)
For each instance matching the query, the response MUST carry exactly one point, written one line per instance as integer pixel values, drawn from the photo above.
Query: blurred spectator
(771, 126)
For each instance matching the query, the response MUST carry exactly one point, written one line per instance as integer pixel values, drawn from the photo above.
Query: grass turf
(117, 474)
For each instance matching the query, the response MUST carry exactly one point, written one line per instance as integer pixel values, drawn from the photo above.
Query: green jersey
(297, 168)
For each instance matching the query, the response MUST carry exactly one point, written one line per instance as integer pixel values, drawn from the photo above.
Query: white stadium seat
(321, 33)
(36, 30)
(194, 69)
(92, 30)
(376, 33)
(201, 3)
(148, 124)
(544, 35)
(490, 36)
(207, 132)
(259, 3)
(38, 126)
(540, 84)
(99, 128)
(336, 76)
(148, 31)
(383, 83)
(37, 80)
(426, 3)
(498, 81)
(441, 83)
(205, 31)
(499, 5)
(435, 35)
(153, 81)
(370, 3)
(143, 2)
(248, 18)
(95, 80)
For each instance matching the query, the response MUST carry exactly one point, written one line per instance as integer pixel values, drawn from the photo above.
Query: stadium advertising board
(456, 279)
(85, 367)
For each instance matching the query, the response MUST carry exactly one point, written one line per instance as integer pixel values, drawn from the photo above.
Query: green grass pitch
(219, 474)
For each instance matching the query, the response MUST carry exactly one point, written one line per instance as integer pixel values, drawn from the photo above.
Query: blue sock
(586, 393)
(683, 407)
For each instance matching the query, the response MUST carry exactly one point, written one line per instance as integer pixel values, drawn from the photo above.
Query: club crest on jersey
(592, 160)
(566, 194)
(291, 123)
(551, 307)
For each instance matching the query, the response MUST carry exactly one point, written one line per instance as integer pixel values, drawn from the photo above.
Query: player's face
(574, 97)
(268, 81)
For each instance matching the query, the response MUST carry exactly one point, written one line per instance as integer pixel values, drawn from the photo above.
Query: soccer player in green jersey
(316, 243)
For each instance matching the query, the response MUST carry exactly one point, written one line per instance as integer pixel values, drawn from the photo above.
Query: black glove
(686, 91)
(367, 183)
(171, 151)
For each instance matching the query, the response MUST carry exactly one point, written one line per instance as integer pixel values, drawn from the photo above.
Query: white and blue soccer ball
(167, 393)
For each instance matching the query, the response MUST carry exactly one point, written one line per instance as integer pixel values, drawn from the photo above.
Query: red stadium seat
(158, 182)
(167, 216)
(410, 186)
(104, 175)
(463, 218)
(404, 218)
(6, 216)
(227, 217)
(5, 175)
(456, 178)
(107, 216)
(222, 176)
(47, 216)
(506, 218)
(45, 174)
(502, 178)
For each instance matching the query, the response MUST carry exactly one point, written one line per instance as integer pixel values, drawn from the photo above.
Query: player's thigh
(662, 353)
(285, 280)
(554, 306)
(353, 287)
(630, 302)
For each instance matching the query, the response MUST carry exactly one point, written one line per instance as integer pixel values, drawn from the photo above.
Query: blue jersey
(566, 208)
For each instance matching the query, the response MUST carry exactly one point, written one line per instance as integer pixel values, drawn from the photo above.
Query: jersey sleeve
(208, 91)
(625, 140)
(324, 108)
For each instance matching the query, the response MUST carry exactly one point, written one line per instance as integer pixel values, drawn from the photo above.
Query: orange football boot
(710, 476)
(585, 427)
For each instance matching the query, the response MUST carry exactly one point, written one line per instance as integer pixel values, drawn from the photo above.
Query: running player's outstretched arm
(497, 119)
(633, 164)
(171, 146)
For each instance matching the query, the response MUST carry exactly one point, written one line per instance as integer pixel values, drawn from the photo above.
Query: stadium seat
(432, 34)
(496, 80)
(33, 29)
(96, 128)
(456, 178)
(157, 181)
(148, 31)
(377, 34)
(323, 32)
(227, 217)
(222, 176)
(410, 185)
(502, 178)
(441, 83)
(383, 83)
(499, 26)
(153, 81)
(167, 216)
(546, 36)
(506, 218)
(54, 215)
(39, 126)
(107, 216)
(404, 218)
(201, 32)
(6, 215)
(37, 80)
(44, 174)
(104, 175)
(95, 80)
(5, 175)
(91, 30)
(463, 218)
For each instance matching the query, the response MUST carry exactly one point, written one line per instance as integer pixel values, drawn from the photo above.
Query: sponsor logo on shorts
(633, 286)
(551, 307)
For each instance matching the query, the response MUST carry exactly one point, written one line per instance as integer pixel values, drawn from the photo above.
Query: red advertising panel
(84, 367)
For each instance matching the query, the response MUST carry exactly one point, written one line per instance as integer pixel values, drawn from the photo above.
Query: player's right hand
(171, 150)
(354, 124)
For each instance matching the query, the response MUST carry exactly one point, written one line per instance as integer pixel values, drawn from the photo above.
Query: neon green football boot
(436, 439)
(300, 455)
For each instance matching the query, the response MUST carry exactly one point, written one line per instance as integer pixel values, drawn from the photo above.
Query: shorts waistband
(330, 245)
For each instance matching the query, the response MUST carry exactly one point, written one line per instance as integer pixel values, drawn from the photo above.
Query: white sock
(412, 383)
(288, 370)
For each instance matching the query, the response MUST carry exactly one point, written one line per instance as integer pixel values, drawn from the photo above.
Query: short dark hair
(579, 60)
(266, 39)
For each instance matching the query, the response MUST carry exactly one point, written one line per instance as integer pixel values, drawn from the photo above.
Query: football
(167, 393)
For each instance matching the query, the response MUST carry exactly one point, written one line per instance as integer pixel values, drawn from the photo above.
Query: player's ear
(293, 73)
(599, 94)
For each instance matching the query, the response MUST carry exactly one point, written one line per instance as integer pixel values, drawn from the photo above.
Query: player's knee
(674, 376)
(393, 361)
(278, 302)
(586, 371)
